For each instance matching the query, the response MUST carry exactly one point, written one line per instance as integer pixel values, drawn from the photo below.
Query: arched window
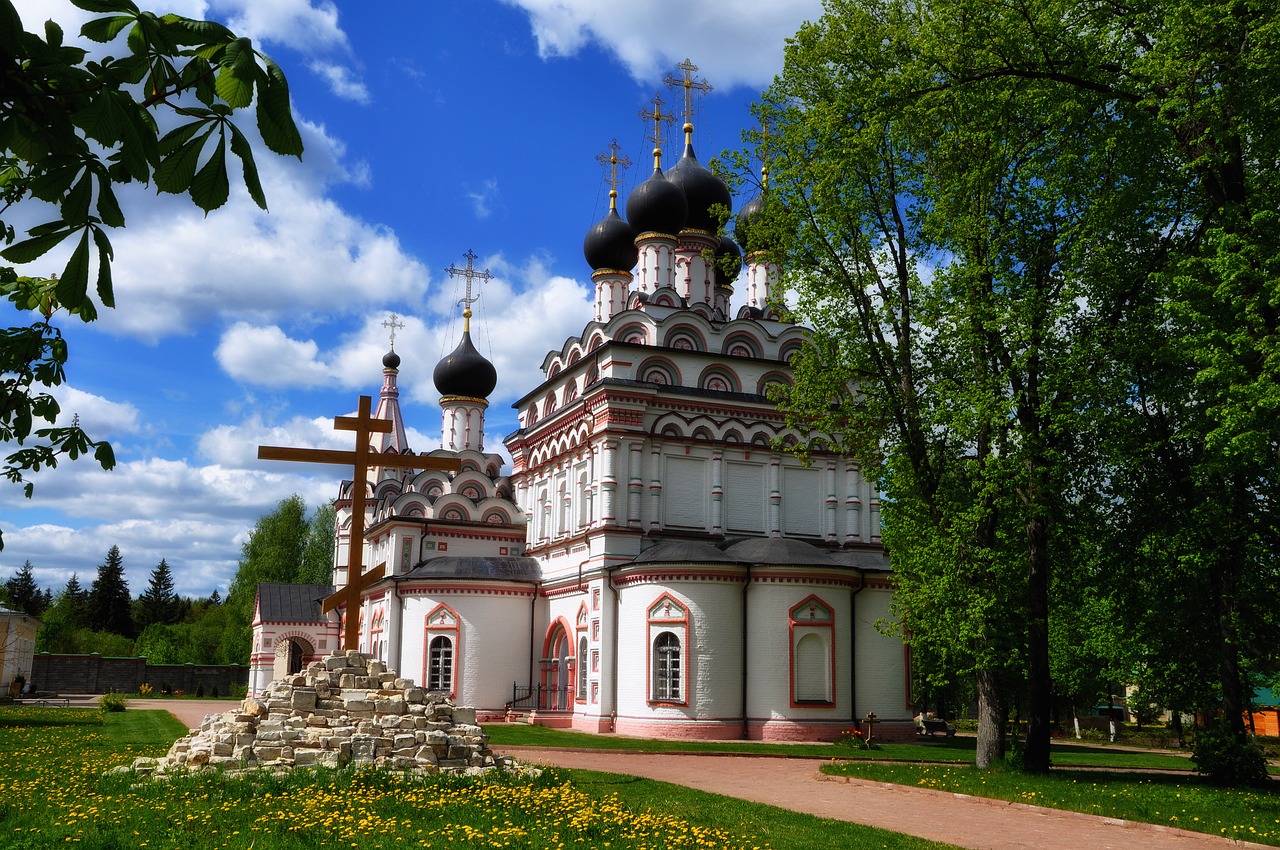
(440, 664)
(812, 653)
(813, 673)
(666, 668)
(582, 668)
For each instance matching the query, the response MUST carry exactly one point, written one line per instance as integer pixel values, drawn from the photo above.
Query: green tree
(64, 618)
(1087, 187)
(273, 552)
(72, 129)
(110, 608)
(317, 557)
(159, 603)
(23, 593)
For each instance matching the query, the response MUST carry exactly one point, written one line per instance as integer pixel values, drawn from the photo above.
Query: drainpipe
(746, 729)
(853, 646)
(613, 666)
(533, 609)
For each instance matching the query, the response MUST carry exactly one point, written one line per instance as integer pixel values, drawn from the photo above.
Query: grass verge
(1179, 801)
(956, 750)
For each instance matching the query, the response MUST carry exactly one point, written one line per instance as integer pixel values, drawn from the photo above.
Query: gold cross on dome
(657, 116)
(470, 274)
(614, 162)
(394, 326)
(690, 85)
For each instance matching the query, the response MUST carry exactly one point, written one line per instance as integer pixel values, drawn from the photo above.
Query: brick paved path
(797, 784)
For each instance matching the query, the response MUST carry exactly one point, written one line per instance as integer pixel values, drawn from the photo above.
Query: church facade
(653, 563)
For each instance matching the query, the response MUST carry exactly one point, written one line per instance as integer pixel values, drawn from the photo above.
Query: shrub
(144, 689)
(213, 694)
(1224, 759)
(111, 701)
(200, 690)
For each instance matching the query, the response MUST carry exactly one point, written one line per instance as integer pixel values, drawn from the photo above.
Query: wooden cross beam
(362, 459)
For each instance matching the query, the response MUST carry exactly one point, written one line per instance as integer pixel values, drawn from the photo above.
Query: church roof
(779, 550)
(291, 603)
(504, 568)
(863, 559)
(683, 551)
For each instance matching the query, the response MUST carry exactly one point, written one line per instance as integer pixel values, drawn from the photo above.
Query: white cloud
(733, 42)
(482, 199)
(99, 417)
(264, 356)
(297, 24)
(342, 82)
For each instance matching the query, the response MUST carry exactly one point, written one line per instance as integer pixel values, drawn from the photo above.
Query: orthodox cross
(394, 326)
(470, 274)
(690, 85)
(362, 458)
(657, 116)
(613, 161)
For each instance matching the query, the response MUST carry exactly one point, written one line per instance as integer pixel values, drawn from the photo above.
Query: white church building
(653, 563)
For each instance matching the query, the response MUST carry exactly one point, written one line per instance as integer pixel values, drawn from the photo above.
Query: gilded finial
(690, 85)
(657, 116)
(470, 274)
(614, 162)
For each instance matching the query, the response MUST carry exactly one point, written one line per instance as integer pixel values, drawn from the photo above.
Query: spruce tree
(158, 604)
(109, 599)
(24, 595)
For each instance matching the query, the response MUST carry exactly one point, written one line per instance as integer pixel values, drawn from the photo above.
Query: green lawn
(53, 793)
(957, 750)
(1181, 801)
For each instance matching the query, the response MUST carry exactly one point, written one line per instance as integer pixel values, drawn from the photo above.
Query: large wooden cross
(362, 459)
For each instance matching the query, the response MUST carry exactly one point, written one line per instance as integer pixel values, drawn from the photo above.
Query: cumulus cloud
(299, 24)
(100, 417)
(342, 81)
(266, 357)
(733, 42)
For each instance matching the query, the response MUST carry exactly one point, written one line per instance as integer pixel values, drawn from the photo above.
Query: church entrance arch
(292, 651)
(557, 668)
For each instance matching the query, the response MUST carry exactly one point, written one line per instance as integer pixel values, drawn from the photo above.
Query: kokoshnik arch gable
(653, 564)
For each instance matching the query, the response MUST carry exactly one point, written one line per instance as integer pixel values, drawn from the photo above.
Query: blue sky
(432, 128)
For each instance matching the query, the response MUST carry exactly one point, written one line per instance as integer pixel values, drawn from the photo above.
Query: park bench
(45, 699)
(933, 727)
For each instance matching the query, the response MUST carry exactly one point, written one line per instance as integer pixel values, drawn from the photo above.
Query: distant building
(17, 646)
(653, 564)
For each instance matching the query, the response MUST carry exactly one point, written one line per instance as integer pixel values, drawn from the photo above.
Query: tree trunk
(1039, 701)
(1223, 564)
(991, 718)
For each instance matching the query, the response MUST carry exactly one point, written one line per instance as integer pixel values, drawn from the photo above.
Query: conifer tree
(158, 604)
(109, 599)
(23, 592)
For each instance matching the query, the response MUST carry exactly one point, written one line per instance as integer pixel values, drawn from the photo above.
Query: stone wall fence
(97, 674)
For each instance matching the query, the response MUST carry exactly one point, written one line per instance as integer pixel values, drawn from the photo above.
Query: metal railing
(539, 697)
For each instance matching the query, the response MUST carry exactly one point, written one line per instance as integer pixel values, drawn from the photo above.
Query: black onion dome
(465, 372)
(611, 244)
(658, 205)
(742, 228)
(702, 190)
(728, 261)
(391, 360)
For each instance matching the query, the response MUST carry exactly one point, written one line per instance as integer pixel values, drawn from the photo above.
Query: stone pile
(343, 710)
